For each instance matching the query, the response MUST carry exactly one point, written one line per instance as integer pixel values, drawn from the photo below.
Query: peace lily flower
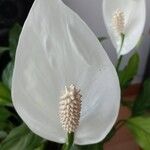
(63, 81)
(124, 21)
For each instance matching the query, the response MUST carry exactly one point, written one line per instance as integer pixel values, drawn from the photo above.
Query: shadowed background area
(11, 11)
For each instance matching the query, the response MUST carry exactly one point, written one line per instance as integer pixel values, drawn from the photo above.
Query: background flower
(134, 14)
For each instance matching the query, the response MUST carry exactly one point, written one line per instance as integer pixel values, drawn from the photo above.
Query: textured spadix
(70, 108)
(57, 49)
(134, 19)
(118, 22)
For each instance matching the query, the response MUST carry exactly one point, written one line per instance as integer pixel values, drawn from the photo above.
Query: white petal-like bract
(134, 17)
(57, 49)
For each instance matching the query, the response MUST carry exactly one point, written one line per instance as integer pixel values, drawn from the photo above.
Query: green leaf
(142, 103)
(21, 138)
(127, 74)
(101, 39)
(40, 147)
(4, 114)
(140, 127)
(5, 125)
(3, 134)
(13, 38)
(98, 146)
(3, 49)
(7, 75)
(5, 95)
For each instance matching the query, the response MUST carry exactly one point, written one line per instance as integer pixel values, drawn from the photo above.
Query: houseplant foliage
(14, 134)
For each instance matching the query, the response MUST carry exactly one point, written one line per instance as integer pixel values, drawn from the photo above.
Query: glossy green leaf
(4, 114)
(140, 127)
(5, 125)
(142, 103)
(5, 95)
(127, 74)
(3, 49)
(21, 138)
(98, 146)
(3, 134)
(42, 147)
(13, 38)
(7, 75)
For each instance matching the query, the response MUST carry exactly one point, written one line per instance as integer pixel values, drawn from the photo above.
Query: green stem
(69, 142)
(120, 58)
(119, 62)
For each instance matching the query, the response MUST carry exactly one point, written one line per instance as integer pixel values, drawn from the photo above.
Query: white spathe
(134, 15)
(57, 49)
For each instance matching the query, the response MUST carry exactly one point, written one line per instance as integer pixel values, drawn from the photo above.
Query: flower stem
(119, 62)
(69, 142)
(120, 58)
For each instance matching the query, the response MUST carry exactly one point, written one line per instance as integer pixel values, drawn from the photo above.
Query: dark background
(12, 11)
(147, 71)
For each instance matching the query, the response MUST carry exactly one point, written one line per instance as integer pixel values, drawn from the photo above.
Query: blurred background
(16, 11)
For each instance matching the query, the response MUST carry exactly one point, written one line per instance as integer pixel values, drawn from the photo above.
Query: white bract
(57, 49)
(124, 17)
